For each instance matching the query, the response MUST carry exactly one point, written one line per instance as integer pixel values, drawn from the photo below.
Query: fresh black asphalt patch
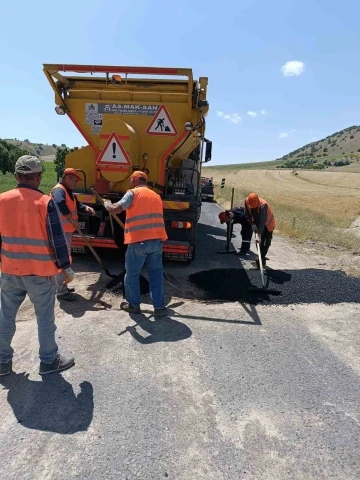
(297, 286)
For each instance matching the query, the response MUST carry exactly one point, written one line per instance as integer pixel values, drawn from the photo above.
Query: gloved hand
(69, 275)
(107, 203)
(254, 228)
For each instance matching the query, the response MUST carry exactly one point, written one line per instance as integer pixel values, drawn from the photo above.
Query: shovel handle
(260, 259)
(101, 200)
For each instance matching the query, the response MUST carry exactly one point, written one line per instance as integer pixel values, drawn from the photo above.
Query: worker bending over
(144, 235)
(262, 220)
(69, 206)
(33, 251)
(238, 216)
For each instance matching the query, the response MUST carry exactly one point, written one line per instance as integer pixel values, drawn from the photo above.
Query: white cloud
(251, 114)
(286, 134)
(293, 68)
(235, 118)
(263, 112)
(232, 118)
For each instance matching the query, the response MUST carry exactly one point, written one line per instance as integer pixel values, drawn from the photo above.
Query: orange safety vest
(145, 217)
(25, 248)
(71, 204)
(270, 219)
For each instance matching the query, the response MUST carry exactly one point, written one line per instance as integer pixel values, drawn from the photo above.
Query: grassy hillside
(44, 151)
(308, 205)
(339, 150)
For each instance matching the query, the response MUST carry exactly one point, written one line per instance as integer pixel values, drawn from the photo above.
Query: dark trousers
(246, 235)
(265, 243)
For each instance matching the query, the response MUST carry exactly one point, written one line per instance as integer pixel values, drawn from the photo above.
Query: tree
(8, 155)
(60, 159)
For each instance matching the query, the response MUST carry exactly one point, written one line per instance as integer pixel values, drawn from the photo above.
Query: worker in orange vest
(144, 235)
(33, 251)
(262, 221)
(69, 206)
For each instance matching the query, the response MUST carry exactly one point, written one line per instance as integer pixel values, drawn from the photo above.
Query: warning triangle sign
(161, 124)
(114, 153)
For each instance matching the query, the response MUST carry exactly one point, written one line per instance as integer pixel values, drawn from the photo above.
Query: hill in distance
(44, 151)
(341, 150)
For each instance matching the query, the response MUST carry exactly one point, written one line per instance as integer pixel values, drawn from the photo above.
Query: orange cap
(253, 200)
(139, 174)
(72, 171)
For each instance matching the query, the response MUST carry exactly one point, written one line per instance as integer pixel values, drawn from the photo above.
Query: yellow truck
(136, 118)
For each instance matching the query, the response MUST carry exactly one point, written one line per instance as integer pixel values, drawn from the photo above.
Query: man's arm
(81, 207)
(122, 204)
(60, 200)
(57, 237)
(262, 219)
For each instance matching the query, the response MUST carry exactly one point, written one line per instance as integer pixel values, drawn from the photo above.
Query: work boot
(68, 297)
(5, 368)
(160, 312)
(60, 364)
(70, 289)
(242, 253)
(127, 307)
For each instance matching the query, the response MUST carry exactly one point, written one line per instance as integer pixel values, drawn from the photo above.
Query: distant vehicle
(207, 190)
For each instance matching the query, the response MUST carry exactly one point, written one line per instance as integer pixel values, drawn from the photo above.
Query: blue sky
(240, 45)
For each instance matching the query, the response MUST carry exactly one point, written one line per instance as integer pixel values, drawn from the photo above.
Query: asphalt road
(246, 388)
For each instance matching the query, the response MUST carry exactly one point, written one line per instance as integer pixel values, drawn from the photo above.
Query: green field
(8, 181)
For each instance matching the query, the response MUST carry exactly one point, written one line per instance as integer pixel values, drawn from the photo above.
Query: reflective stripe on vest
(270, 220)
(144, 219)
(25, 248)
(71, 204)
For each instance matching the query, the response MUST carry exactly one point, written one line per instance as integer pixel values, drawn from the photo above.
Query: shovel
(91, 249)
(144, 283)
(265, 290)
(230, 227)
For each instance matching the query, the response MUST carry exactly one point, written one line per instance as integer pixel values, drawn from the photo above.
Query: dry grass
(310, 205)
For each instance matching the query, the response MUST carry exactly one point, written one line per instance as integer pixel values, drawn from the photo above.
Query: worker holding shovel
(144, 235)
(63, 195)
(262, 221)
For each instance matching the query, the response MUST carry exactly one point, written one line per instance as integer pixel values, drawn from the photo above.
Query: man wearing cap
(33, 251)
(69, 206)
(144, 235)
(238, 216)
(262, 221)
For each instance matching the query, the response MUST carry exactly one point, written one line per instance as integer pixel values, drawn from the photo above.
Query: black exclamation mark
(114, 149)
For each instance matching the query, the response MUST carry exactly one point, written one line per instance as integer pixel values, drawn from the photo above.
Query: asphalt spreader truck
(136, 118)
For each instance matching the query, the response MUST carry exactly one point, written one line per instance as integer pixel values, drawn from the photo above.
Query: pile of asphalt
(296, 286)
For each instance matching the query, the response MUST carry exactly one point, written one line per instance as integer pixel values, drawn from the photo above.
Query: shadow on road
(164, 329)
(49, 405)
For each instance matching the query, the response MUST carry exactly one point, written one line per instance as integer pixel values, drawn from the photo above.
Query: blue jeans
(147, 253)
(61, 286)
(41, 291)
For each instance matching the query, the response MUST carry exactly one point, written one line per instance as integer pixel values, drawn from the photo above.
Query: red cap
(72, 171)
(139, 174)
(223, 217)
